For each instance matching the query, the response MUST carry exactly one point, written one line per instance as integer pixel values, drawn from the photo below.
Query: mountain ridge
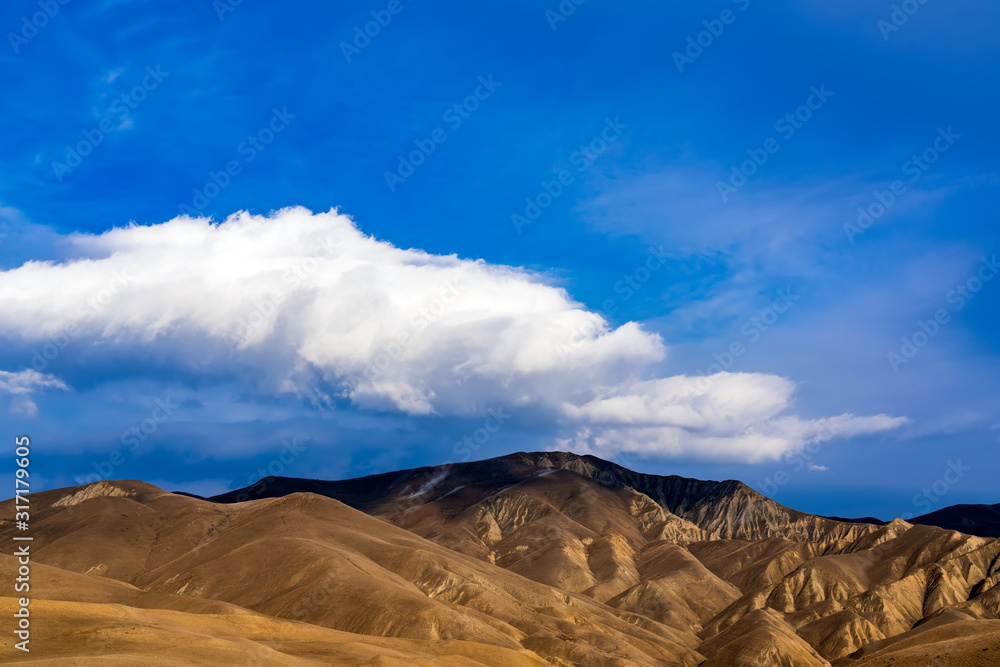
(527, 559)
(719, 507)
(981, 520)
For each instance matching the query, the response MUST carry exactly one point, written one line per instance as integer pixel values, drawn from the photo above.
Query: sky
(728, 240)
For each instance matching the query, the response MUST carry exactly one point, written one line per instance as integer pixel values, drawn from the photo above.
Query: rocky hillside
(528, 559)
(696, 556)
(728, 509)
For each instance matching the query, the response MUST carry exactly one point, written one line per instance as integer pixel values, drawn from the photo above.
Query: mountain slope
(981, 520)
(693, 555)
(290, 557)
(528, 559)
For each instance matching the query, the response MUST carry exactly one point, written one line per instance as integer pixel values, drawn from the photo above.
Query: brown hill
(306, 557)
(528, 559)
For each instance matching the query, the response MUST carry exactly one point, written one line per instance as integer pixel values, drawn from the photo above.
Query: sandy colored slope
(761, 637)
(952, 640)
(313, 558)
(839, 586)
(562, 530)
(69, 633)
(87, 619)
(572, 523)
(675, 589)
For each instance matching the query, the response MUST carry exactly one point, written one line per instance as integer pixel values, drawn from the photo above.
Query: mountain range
(545, 558)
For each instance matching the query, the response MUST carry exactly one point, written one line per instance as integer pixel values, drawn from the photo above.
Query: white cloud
(306, 305)
(23, 384)
(818, 468)
(11, 214)
(727, 416)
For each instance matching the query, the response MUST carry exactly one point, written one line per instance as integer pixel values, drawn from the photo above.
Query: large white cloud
(305, 304)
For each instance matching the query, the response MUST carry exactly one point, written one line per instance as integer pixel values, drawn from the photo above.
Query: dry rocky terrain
(529, 559)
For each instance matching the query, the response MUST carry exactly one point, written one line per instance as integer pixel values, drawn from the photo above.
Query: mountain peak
(727, 509)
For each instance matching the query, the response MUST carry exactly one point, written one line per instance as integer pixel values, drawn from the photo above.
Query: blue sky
(170, 101)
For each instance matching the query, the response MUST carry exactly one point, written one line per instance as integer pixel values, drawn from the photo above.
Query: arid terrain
(528, 559)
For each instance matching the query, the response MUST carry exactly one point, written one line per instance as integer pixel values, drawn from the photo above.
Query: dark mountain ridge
(730, 508)
(979, 520)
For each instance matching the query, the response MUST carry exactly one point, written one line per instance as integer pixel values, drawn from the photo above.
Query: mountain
(136, 565)
(865, 519)
(981, 520)
(527, 559)
(729, 509)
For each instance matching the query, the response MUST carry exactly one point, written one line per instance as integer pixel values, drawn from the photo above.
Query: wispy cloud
(22, 385)
(112, 75)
